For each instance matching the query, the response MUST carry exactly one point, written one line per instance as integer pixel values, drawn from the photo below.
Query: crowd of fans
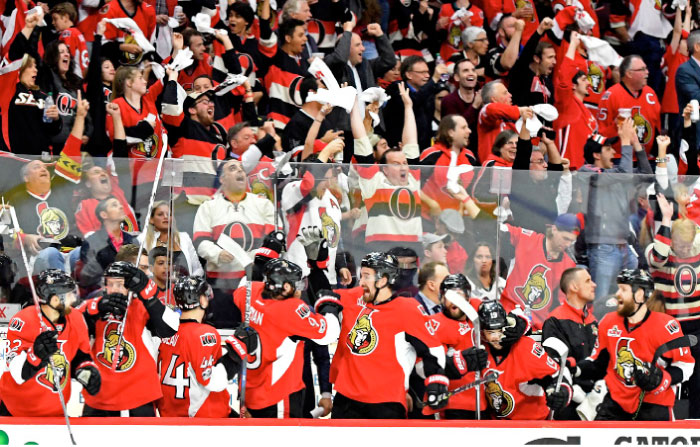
(508, 141)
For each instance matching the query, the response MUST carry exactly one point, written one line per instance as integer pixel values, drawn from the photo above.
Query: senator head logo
(363, 338)
(626, 362)
(500, 400)
(536, 290)
(112, 347)
(61, 368)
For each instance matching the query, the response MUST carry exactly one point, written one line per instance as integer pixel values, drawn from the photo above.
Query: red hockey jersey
(135, 381)
(494, 118)
(438, 157)
(37, 395)
(534, 279)
(145, 18)
(374, 358)
(453, 43)
(511, 396)
(629, 348)
(75, 41)
(186, 364)
(276, 369)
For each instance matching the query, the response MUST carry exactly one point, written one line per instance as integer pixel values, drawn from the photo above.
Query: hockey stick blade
(686, 341)
(463, 305)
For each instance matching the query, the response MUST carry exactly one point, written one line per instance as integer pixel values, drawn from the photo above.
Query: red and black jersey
(438, 158)
(276, 369)
(87, 221)
(145, 18)
(578, 328)
(190, 385)
(378, 346)
(37, 396)
(494, 118)
(453, 43)
(75, 41)
(646, 112)
(495, 9)
(629, 347)
(512, 395)
(534, 278)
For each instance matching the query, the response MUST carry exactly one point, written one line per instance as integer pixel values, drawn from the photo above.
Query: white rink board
(496, 434)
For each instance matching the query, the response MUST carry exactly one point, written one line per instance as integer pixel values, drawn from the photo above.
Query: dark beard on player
(626, 309)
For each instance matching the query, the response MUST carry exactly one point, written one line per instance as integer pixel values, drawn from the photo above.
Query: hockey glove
(436, 389)
(315, 245)
(243, 341)
(112, 303)
(556, 400)
(476, 358)
(272, 245)
(649, 381)
(136, 280)
(328, 302)
(44, 347)
(516, 328)
(89, 377)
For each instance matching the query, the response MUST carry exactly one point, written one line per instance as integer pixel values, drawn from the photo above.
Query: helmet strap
(639, 305)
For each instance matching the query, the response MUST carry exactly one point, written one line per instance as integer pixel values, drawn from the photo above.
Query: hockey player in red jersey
(194, 372)
(382, 334)
(28, 387)
(525, 388)
(457, 335)
(628, 339)
(134, 386)
(275, 387)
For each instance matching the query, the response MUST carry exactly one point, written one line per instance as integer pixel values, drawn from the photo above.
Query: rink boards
(306, 433)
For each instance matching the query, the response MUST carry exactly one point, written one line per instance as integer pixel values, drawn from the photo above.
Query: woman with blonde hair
(161, 231)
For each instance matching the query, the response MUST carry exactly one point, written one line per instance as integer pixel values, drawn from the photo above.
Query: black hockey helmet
(119, 269)
(492, 315)
(280, 271)
(383, 264)
(188, 289)
(53, 282)
(636, 279)
(458, 281)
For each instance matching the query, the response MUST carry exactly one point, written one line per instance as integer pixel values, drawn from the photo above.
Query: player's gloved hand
(476, 358)
(648, 381)
(516, 328)
(328, 302)
(315, 245)
(89, 377)
(135, 280)
(436, 389)
(243, 341)
(45, 346)
(272, 245)
(556, 400)
(112, 303)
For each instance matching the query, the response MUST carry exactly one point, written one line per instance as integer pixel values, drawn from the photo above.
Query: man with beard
(35, 354)
(457, 336)
(275, 385)
(382, 334)
(628, 338)
(526, 385)
(530, 78)
(574, 324)
(130, 382)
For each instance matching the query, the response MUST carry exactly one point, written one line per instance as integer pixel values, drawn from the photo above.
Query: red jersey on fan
(438, 159)
(374, 359)
(597, 75)
(494, 9)
(646, 112)
(494, 118)
(186, 361)
(511, 396)
(629, 348)
(187, 76)
(145, 18)
(669, 66)
(457, 335)
(575, 122)
(453, 43)
(36, 395)
(534, 278)
(77, 47)
(135, 381)
(275, 372)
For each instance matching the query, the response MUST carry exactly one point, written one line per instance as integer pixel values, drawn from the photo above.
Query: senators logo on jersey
(330, 229)
(362, 339)
(62, 368)
(147, 148)
(241, 233)
(126, 351)
(626, 362)
(403, 204)
(535, 291)
(53, 222)
(500, 400)
(596, 78)
(641, 126)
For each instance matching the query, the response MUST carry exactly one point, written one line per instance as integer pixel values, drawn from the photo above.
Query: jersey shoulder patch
(303, 310)
(537, 350)
(16, 324)
(673, 327)
(208, 339)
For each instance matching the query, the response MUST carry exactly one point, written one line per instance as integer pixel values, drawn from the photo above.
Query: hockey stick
(243, 374)
(463, 305)
(116, 358)
(686, 341)
(562, 350)
(44, 327)
(491, 376)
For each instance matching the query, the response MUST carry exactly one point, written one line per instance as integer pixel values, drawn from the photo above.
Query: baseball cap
(452, 220)
(194, 96)
(568, 222)
(429, 239)
(595, 144)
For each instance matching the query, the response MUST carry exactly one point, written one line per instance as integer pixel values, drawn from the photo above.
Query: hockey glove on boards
(89, 377)
(475, 358)
(436, 389)
(328, 302)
